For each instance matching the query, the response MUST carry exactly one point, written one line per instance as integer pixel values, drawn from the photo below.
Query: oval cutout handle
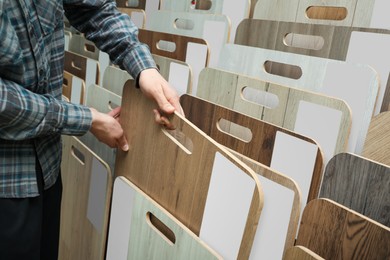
(326, 13)
(65, 82)
(260, 97)
(283, 69)
(183, 24)
(166, 46)
(75, 65)
(112, 105)
(202, 4)
(89, 47)
(76, 153)
(163, 230)
(303, 41)
(180, 139)
(234, 130)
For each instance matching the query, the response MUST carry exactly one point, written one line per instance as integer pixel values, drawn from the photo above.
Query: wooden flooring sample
(302, 162)
(300, 253)
(134, 234)
(295, 109)
(335, 232)
(87, 186)
(345, 43)
(192, 176)
(279, 218)
(377, 144)
(73, 88)
(329, 77)
(359, 184)
(114, 79)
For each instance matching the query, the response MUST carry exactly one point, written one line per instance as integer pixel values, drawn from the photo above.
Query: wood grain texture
(177, 180)
(226, 89)
(276, 213)
(359, 184)
(300, 253)
(78, 65)
(79, 237)
(206, 116)
(377, 144)
(145, 240)
(152, 39)
(325, 78)
(336, 232)
(340, 43)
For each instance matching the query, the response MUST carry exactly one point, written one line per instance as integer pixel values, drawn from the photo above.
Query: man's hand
(107, 129)
(154, 86)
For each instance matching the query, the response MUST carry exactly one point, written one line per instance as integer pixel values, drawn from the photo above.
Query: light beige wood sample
(280, 216)
(181, 44)
(133, 216)
(176, 168)
(73, 89)
(300, 253)
(359, 184)
(329, 77)
(87, 185)
(228, 89)
(335, 232)
(377, 144)
(114, 79)
(351, 44)
(177, 73)
(214, 28)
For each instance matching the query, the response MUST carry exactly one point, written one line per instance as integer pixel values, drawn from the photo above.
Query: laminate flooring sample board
(279, 218)
(345, 43)
(196, 179)
(80, 45)
(300, 253)
(134, 235)
(73, 88)
(335, 232)
(87, 187)
(363, 13)
(329, 77)
(377, 145)
(235, 10)
(104, 101)
(186, 48)
(294, 155)
(114, 79)
(325, 119)
(359, 184)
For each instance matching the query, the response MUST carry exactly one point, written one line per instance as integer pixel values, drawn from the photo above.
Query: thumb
(123, 144)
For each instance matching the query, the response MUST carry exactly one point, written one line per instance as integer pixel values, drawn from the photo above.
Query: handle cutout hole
(180, 139)
(161, 228)
(65, 82)
(303, 41)
(89, 47)
(75, 65)
(112, 105)
(184, 24)
(166, 46)
(202, 4)
(260, 97)
(239, 132)
(76, 153)
(283, 69)
(326, 13)
(132, 3)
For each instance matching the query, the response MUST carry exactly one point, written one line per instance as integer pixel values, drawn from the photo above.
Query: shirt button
(41, 71)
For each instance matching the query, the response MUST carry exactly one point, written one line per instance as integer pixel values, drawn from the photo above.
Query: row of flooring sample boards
(191, 190)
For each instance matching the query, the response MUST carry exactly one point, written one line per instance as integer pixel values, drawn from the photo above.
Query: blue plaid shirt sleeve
(112, 32)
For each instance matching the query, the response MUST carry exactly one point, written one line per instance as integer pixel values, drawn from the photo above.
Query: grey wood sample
(359, 184)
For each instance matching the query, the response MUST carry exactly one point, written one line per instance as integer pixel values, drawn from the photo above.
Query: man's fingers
(123, 144)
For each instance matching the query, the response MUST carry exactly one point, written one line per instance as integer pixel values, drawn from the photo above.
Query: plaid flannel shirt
(32, 115)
